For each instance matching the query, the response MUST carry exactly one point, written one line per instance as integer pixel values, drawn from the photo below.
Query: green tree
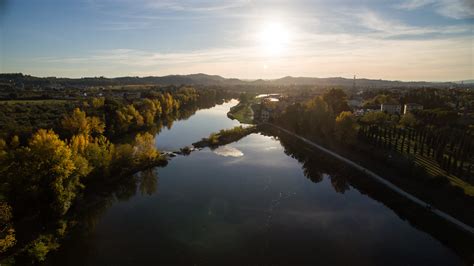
(376, 118)
(378, 100)
(41, 246)
(336, 100)
(318, 118)
(345, 128)
(408, 120)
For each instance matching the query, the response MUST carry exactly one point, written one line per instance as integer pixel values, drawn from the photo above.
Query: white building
(390, 108)
(409, 107)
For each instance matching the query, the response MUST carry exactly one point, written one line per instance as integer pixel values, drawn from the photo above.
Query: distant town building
(390, 108)
(409, 107)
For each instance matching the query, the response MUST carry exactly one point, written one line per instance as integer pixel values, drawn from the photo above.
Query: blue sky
(400, 39)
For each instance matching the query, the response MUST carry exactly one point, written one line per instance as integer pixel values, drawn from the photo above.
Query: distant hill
(214, 80)
(469, 81)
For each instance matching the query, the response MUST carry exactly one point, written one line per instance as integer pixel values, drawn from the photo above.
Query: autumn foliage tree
(7, 232)
(79, 123)
(46, 172)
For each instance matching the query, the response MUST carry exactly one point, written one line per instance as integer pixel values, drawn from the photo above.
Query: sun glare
(273, 38)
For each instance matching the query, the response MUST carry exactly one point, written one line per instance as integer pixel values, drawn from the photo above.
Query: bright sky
(399, 39)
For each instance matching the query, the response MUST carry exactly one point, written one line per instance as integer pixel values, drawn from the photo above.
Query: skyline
(412, 40)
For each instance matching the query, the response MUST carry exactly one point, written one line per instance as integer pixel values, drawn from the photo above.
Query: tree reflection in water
(317, 164)
(148, 182)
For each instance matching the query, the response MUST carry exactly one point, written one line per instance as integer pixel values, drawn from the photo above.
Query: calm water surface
(203, 123)
(245, 203)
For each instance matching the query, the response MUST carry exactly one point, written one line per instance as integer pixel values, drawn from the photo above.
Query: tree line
(439, 134)
(43, 174)
(451, 147)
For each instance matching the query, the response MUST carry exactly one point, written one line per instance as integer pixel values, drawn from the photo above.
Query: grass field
(243, 113)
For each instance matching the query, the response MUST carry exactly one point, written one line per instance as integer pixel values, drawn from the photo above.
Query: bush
(39, 248)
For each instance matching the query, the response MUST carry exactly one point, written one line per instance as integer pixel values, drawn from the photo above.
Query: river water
(250, 202)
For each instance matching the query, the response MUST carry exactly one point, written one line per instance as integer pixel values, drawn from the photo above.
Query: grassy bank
(242, 112)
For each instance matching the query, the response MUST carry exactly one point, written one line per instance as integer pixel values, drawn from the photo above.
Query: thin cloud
(318, 55)
(456, 9)
(198, 6)
(392, 28)
(414, 4)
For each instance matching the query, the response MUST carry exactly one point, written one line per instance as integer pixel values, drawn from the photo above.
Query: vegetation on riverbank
(225, 136)
(430, 142)
(42, 180)
(45, 174)
(391, 152)
(243, 111)
(317, 166)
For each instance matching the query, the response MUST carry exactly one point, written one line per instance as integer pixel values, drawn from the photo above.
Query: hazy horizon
(242, 79)
(406, 40)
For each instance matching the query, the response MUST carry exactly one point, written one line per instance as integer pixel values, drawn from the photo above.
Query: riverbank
(243, 112)
(383, 181)
(225, 136)
(254, 207)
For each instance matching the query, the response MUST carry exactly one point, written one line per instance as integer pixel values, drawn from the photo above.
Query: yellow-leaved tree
(46, 173)
(144, 148)
(78, 123)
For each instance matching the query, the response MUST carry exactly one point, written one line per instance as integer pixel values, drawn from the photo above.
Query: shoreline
(383, 181)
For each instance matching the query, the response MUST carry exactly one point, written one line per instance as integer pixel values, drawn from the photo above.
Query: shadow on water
(342, 177)
(94, 206)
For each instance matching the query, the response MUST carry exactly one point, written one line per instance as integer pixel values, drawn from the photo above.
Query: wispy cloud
(197, 6)
(456, 9)
(390, 28)
(326, 38)
(315, 55)
(414, 4)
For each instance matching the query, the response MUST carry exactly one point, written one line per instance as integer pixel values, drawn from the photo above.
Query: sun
(273, 38)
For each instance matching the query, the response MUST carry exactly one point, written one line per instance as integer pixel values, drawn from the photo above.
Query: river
(250, 202)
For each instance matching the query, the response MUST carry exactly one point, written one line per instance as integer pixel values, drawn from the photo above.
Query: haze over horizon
(407, 40)
(242, 79)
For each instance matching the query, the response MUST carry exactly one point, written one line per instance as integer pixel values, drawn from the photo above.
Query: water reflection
(201, 124)
(317, 167)
(228, 151)
(278, 203)
(148, 182)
